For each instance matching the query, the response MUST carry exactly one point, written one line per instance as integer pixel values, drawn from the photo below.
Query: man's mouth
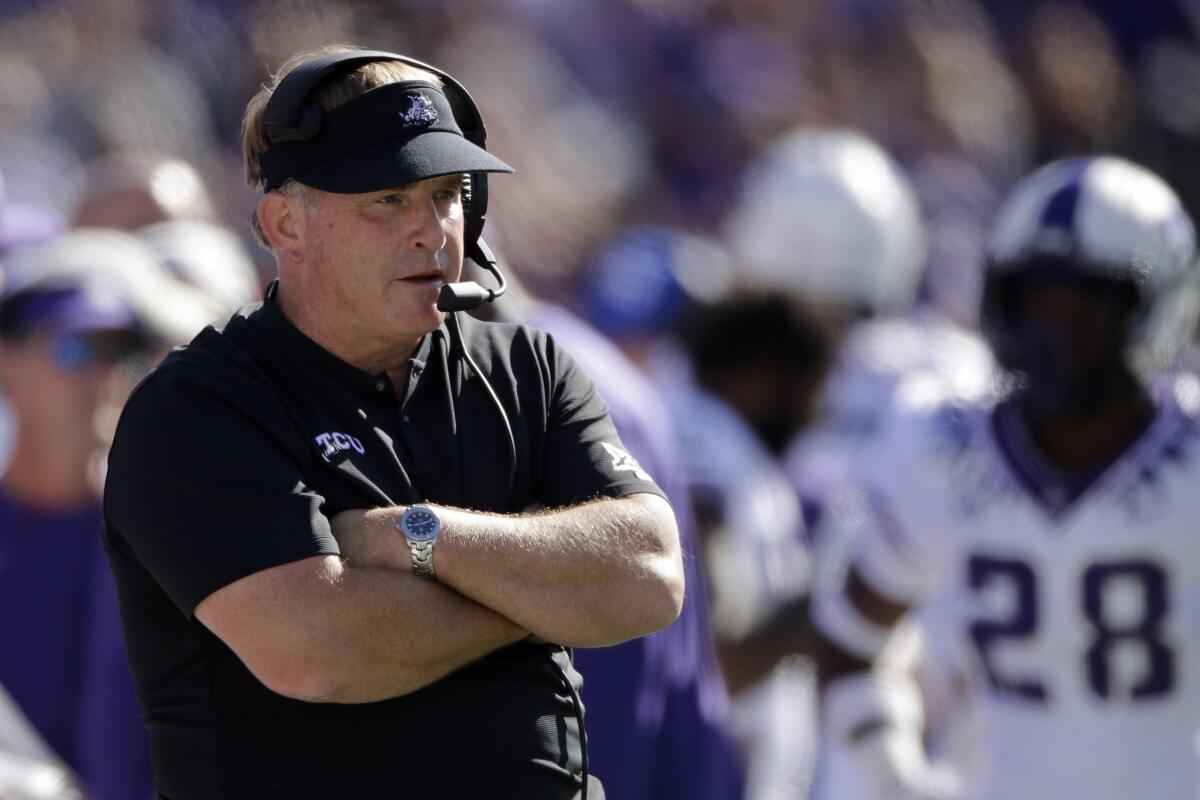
(430, 277)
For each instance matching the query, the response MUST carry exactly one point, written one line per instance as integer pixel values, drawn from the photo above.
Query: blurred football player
(733, 385)
(70, 348)
(827, 217)
(1059, 516)
(753, 363)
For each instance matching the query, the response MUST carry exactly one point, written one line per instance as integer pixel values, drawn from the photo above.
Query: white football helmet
(828, 214)
(1102, 217)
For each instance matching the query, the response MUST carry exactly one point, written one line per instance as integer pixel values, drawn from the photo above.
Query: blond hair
(329, 94)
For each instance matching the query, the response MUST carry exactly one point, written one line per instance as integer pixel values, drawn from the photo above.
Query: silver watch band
(422, 559)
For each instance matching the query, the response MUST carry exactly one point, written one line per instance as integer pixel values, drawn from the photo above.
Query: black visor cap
(430, 155)
(389, 136)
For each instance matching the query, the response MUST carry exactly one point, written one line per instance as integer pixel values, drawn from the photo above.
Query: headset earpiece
(301, 129)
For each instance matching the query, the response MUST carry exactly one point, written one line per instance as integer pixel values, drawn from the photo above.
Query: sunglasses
(79, 351)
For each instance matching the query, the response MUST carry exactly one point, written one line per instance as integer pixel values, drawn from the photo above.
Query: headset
(288, 117)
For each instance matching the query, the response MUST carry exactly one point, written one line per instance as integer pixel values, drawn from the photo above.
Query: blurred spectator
(128, 95)
(20, 226)
(25, 225)
(621, 88)
(1080, 89)
(209, 258)
(172, 311)
(644, 279)
(63, 342)
(132, 190)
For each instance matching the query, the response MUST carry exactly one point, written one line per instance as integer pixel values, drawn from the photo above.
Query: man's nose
(428, 232)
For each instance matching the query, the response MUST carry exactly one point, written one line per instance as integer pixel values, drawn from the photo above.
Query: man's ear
(282, 219)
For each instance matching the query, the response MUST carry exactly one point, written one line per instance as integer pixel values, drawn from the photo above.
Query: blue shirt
(62, 658)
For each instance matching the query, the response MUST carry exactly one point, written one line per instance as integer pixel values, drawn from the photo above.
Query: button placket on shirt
(417, 368)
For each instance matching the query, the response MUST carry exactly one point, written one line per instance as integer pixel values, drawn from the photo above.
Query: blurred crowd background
(641, 132)
(618, 111)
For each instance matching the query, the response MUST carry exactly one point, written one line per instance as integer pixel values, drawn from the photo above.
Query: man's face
(374, 262)
(66, 388)
(1066, 341)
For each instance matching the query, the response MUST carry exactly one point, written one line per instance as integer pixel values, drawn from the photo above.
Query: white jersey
(1081, 605)
(912, 360)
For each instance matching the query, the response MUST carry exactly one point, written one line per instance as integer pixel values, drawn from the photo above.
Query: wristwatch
(420, 525)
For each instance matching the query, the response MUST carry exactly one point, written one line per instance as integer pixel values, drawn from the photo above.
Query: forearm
(353, 634)
(396, 633)
(589, 575)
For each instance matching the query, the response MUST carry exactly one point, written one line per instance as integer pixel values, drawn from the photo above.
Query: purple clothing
(657, 706)
(63, 658)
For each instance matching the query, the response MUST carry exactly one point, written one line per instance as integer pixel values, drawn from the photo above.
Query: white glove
(879, 717)
(894, 765)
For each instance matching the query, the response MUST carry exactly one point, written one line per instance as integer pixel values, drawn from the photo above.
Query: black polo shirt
(231, 457)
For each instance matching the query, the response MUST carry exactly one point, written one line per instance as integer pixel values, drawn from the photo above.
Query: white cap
(170, 309)
(208, 257)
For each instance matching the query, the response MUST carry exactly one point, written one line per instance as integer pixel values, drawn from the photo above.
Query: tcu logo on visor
(420, 111)
(336, 442)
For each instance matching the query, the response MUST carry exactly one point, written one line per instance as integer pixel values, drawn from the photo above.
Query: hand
(897, 768)
(368, 537)
(932, 785)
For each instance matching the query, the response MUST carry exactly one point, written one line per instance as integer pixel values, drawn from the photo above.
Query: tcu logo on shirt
(336, 442)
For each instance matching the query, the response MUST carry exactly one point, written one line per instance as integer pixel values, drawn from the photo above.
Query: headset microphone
(465, 295)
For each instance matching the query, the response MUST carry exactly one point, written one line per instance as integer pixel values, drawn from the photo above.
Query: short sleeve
(205, 486)
(583, 455)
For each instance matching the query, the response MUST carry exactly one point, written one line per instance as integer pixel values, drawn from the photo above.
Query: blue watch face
(421, 524)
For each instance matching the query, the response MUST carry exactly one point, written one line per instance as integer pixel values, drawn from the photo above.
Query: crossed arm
(362, 627)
